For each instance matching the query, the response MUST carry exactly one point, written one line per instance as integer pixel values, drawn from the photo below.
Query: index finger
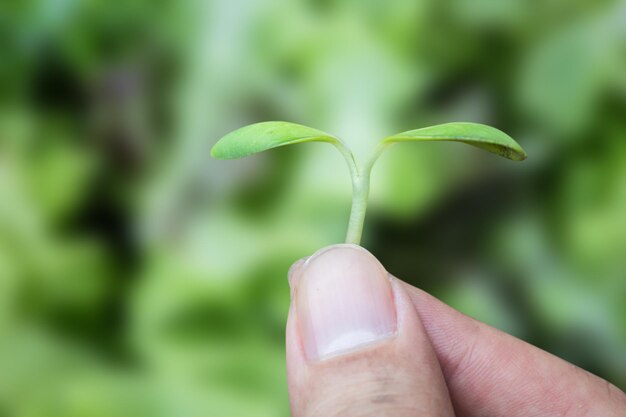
(491, 373)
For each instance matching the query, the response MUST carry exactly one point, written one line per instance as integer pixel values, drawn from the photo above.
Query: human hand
(363, 343)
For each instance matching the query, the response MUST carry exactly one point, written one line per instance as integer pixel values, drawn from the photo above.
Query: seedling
(259, 137)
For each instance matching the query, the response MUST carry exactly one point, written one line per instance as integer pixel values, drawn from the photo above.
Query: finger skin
(491, 373)
(395, 377)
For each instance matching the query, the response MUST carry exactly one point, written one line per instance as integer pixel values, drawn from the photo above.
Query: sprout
(259, 137)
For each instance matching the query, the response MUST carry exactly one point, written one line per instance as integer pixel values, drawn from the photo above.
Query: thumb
(355, 344)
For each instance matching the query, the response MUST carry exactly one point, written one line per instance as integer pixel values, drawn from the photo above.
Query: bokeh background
(140, 277)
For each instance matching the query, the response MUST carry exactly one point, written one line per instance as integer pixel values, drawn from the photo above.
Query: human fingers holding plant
(363, 343)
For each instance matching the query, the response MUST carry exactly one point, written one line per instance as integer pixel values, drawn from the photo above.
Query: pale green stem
(374, 156)
(348, 156)
(360, 193)
(360, 190)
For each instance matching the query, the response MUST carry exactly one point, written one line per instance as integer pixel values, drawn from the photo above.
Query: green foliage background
(139, 277)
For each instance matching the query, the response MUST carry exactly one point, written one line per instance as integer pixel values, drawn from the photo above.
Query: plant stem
(360, 189)
(360, 193)
(348, 156)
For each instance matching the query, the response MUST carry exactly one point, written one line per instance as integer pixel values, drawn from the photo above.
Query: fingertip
(337, 252)
(343, 290)
(344, 301)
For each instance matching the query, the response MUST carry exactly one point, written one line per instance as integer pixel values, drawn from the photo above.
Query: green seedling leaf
(260, 137)
(475, 134)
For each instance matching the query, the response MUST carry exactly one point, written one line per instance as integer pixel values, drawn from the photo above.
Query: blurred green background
(140, 277)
